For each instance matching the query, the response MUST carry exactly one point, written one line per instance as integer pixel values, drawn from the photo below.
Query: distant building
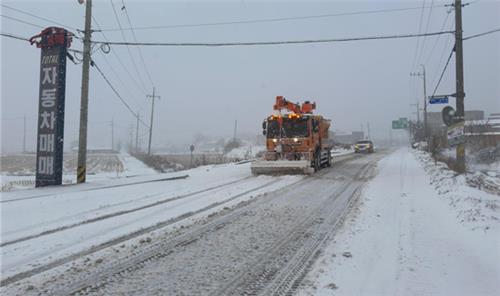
(436, 125)
(484, 133)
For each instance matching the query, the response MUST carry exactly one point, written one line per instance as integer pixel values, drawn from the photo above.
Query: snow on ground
(339, 151)
(98, 170)
(66, 214)
(413, 234)
(246, 151)
(473, 207)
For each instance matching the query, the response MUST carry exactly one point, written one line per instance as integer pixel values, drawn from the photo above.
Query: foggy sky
(203, 90)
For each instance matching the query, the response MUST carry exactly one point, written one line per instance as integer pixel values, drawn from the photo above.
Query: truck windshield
(273, 129)
(292, 127)
(295, 127)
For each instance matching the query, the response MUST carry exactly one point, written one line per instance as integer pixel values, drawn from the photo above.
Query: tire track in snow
(119, 213)
(94, 249)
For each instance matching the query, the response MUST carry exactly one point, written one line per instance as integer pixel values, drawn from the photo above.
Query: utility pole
(235, 127)
(24, 134)
(82, 143)
(368, 130)
(418, 113)
(425, 98)
(459, 62)
(112, 134)
(153, 97)
(137, 134)
(425, 104)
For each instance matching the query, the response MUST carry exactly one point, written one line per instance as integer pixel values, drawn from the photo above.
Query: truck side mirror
(264, 132)
(264, 125)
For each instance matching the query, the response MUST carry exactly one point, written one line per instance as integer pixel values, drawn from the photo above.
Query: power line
(481, 34)
(285, 42)
(119, 60)
(269, 20)
(37, 16)
(21, 21)
(442, 57)
(118, 94)
(451, 54)
(135, 39)
(444, 70)
(426, 30)
(14, 36)
(418, 39)
(438, 38)
(128, 48)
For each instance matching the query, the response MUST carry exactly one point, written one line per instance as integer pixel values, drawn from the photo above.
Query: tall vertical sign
(49, 160)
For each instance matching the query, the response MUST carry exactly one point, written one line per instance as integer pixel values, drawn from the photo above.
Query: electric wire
(438, 38)
(284, 42)
(442, 57)
(9, 35)
(418, 39)
(124, 8)
(136, 83)
(270, 20)
(426, 30)
(21, 21)
(118, 94)
(128, 48)
(451, 54)
(481, 34)
(37, 16)
(444, 70)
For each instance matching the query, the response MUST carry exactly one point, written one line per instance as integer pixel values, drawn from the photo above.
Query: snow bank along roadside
(474, 208)
(405, 239)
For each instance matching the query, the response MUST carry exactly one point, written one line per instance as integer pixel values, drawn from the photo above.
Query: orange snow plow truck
(296, 140)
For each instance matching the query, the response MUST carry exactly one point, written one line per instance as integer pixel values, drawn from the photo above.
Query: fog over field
(205, 89)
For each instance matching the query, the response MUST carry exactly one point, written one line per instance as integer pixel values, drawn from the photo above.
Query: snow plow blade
(281, 167)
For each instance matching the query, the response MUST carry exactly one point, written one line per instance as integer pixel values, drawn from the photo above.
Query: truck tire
(317, 161)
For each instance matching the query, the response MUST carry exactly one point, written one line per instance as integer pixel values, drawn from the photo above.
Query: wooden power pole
(459, 62)
(153, 97)
(82, 143)
(137, 134)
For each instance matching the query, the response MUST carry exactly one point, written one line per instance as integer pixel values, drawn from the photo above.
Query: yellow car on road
(363, 146)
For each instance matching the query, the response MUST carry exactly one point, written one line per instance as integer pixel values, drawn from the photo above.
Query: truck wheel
(317, 162)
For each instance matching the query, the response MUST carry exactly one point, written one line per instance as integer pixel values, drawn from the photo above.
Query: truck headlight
(275, 140)
(295, 140)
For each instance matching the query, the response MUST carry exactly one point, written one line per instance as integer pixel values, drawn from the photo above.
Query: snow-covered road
(406, 239)
(43, 226)
(96, 229)
(366, 226)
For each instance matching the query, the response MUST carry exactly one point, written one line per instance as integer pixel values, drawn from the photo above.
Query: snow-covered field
(415, 232)
(18, 171)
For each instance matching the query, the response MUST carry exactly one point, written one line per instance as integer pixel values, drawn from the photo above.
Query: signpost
(438, 100)
(49, 159)
(401, 123)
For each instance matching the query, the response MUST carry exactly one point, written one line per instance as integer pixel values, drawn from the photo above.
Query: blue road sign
(438, 100)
